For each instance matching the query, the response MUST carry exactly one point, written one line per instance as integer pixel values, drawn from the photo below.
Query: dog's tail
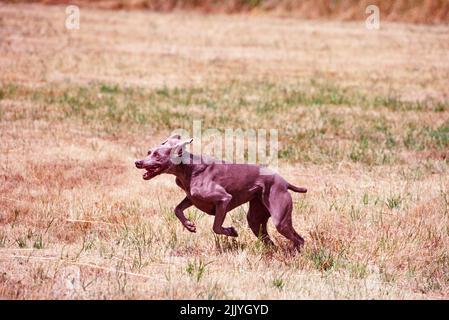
(296, 189)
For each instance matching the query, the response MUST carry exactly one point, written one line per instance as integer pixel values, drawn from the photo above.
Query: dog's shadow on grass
(225, 244)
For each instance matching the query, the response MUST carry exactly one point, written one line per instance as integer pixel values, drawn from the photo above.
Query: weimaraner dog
(217, 187)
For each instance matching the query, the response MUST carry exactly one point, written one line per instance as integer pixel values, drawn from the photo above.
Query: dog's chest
(200, 204)
(183, 186)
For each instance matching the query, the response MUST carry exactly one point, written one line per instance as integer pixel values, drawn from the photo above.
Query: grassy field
(363, 120)
(415, 11)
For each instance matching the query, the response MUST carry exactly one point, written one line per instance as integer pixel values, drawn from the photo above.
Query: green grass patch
(311, 127)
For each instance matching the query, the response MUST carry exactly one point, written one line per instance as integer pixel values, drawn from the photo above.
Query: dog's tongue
(146, 175)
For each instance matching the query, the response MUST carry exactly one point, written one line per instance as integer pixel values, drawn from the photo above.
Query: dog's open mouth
(151, 173)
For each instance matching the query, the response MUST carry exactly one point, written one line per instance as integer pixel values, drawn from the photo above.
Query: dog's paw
(231, 232)
(189, 225)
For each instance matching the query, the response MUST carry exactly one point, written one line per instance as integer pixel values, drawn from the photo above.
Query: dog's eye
(149, 152)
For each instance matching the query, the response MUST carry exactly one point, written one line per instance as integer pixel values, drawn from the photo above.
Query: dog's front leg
(179, 211)
(220, 215)
(215, 194)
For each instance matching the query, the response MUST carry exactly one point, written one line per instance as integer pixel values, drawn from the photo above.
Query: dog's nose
(138, 163)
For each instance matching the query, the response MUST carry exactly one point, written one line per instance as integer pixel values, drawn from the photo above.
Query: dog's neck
(191, 165)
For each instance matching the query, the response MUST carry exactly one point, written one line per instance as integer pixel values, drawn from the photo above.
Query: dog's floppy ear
(172, 137)
(178, 150)
(181, 144)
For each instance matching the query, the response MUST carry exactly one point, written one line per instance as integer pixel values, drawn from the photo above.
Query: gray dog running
(217, 188)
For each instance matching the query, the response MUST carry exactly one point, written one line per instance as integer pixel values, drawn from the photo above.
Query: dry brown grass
(363, 121)
(416, 11)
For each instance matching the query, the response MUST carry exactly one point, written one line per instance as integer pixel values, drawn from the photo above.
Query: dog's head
(163, 157)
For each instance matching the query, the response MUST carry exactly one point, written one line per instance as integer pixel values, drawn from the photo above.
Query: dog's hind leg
(258, 217)
(280, 206)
